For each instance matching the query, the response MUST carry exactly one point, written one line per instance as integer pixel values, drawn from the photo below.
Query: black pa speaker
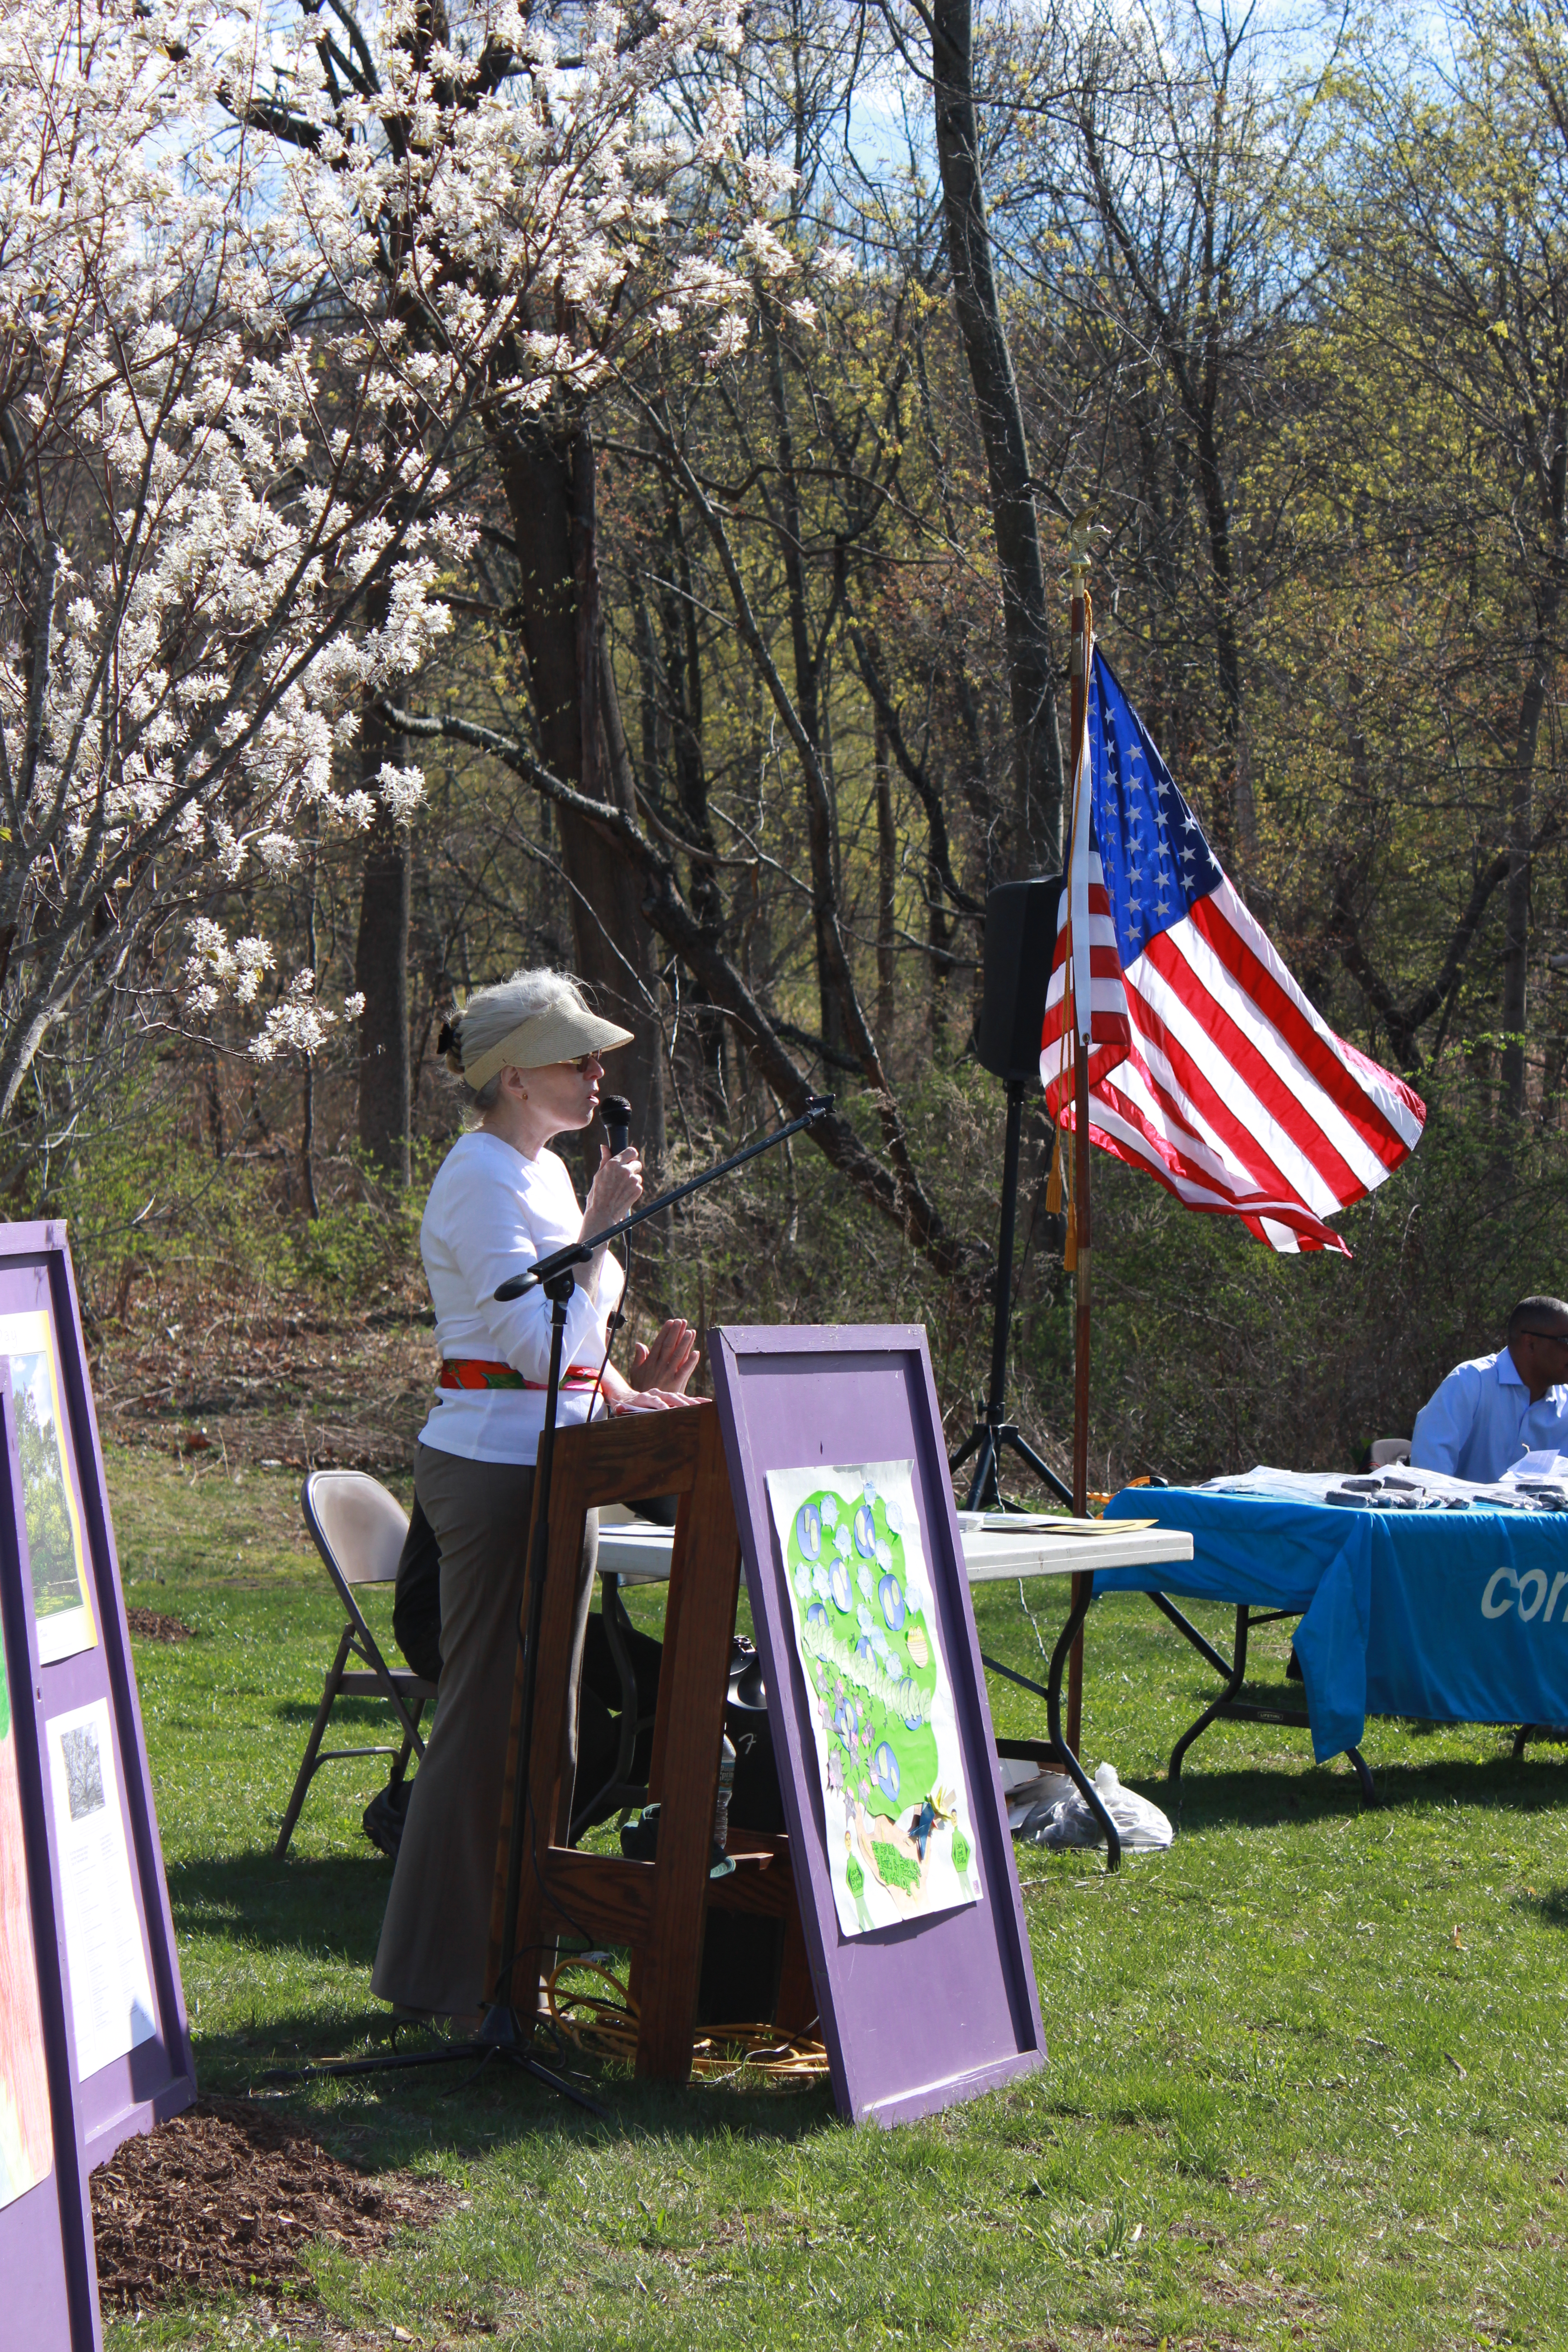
(1020, 939)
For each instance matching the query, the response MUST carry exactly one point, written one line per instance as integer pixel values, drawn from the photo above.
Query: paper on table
(111, 1999)
(1545, 1463)
(1042, 1523)
(1049, 1527)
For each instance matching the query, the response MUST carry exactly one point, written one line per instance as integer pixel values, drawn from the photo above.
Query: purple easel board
(89, 1981)
(937, 2008)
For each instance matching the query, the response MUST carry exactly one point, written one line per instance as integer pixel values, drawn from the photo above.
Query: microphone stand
(993, 1431)
(556, 1276)
(502, 2032)
(542, 1272)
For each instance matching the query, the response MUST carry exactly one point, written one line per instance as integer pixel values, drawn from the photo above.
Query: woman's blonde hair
(489, 1016)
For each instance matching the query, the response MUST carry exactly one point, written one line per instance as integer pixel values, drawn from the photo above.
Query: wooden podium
(659, 1909)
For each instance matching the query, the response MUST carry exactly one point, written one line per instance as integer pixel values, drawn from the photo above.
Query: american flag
(1207, 1066)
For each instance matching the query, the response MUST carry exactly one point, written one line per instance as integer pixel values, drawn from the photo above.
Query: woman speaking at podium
(529, 1053)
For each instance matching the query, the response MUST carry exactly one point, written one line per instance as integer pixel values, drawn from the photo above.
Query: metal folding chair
(358, 1528)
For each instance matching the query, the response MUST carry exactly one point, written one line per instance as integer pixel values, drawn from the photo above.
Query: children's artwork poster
(111, 1998)
(61, 1610)
(26, 2147)
(901, 1836)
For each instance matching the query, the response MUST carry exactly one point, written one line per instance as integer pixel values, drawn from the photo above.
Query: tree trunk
(683, 671)
(1516, 894)
(549, 477)
(380, 966)
(1522, 826)
(1037, 774)
(1236, 783)
(887, 878)
(825, 892)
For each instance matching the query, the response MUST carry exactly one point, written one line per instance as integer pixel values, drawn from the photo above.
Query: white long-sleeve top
(492, 1213)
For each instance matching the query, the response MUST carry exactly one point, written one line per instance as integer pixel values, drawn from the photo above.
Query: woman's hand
(669, 1363)
(615, 1190)
(620, 1397)
(648, 1400)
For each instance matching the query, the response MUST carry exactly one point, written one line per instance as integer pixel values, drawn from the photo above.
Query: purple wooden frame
(46, 2235)
(937, 2010)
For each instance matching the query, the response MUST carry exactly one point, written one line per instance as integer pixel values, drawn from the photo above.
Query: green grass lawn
(1308, 2072)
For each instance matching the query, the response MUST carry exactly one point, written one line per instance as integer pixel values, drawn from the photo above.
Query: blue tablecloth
(1457, 1616)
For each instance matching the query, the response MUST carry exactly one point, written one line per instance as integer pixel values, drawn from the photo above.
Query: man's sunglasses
(1557, 1339)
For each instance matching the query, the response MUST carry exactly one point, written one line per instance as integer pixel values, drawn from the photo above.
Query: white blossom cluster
(259, 268)
(195, 493)
(519, 205)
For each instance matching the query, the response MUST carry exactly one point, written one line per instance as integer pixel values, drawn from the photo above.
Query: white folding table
(634, 1554)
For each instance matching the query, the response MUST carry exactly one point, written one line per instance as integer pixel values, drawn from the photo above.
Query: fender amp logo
(1530, 1594)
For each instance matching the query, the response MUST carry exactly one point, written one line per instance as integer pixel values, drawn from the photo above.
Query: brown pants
(435, 1939)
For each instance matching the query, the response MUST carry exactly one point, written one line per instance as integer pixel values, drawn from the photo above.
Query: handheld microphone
(616, 1113)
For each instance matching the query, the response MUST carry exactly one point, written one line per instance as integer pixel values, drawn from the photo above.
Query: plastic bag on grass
(1142, 1827)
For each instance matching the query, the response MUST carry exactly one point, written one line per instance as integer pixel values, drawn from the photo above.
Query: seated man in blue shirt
(1490, 1413)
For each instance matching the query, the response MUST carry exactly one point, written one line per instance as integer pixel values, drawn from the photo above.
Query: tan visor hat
(561, 1034)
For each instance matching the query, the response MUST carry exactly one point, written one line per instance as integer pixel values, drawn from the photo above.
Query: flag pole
(1077, 621)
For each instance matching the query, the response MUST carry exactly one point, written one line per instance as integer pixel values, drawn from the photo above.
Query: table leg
(613, 1611)
(1189, 1632)
(1369, 1795)
(1227, 1704)
(1236, 1674)
(1060, 1753)
(1066, 1641)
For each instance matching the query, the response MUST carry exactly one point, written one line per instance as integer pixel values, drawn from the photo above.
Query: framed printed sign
(94, 2044)
(899, 1842)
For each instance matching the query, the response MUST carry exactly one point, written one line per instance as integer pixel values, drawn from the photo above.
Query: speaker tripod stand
(994, 1434)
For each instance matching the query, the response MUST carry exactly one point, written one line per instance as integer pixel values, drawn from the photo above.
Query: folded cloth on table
(1397, 1488)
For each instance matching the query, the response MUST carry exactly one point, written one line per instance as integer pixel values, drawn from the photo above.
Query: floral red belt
(473, 1372)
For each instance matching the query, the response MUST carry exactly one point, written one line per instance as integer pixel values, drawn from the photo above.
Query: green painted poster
(901, 1837)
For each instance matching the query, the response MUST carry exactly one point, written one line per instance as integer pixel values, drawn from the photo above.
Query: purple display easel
(916, 2016)
(50, 2302)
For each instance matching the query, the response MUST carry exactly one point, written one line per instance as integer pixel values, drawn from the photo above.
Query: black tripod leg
(530, 1620)
(402, 2061)
(986, 1489)
(1042, 1470)
(974, 1437)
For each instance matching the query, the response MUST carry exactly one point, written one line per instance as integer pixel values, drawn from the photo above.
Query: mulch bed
(221, 2198)
(154, 1626)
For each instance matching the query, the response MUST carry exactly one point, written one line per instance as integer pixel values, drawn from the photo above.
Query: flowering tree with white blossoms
(562, 216)
(255, 291)
(521, 206)
(194, 512)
